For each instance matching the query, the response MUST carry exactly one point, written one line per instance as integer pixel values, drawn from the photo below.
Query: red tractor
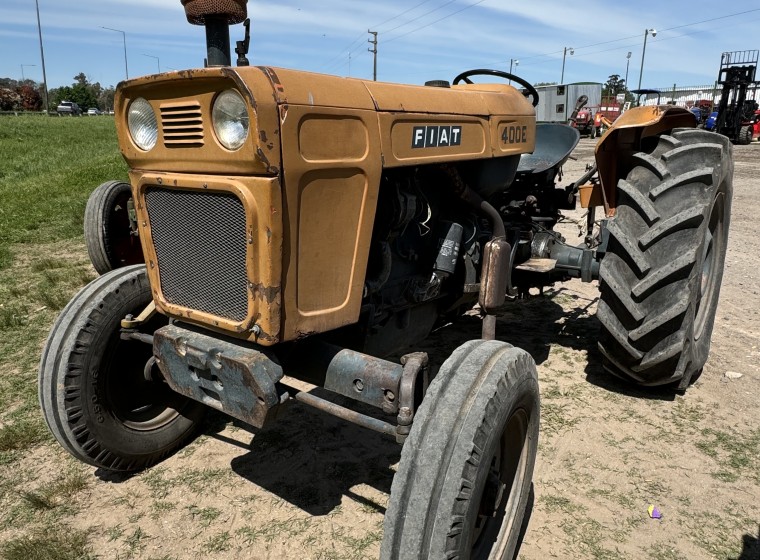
(586, 124)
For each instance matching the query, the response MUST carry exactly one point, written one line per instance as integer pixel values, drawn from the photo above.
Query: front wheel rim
(509, 463)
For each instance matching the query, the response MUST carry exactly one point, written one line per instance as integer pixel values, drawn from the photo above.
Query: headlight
(230, 119)
(142, 124)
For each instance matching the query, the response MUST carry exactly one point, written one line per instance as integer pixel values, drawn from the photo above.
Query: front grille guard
(199, 238)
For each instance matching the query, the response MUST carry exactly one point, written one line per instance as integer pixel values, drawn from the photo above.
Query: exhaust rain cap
(233, 11)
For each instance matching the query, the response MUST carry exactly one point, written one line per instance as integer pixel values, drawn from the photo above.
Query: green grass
(48, 167)
(55, 544)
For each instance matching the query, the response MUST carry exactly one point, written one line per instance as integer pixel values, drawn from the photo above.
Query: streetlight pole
(627, 64)
(42, 56)
(158, 61)
(124, 38)
(644, 51)
(564, 55)
(511, 62)
(23, 79)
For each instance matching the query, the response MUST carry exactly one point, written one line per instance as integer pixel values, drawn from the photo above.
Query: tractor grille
(200, 244)
(182, 125)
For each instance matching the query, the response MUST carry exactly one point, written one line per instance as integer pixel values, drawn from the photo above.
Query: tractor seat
(554, 144)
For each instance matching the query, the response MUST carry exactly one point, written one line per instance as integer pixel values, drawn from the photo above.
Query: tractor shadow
(312, 460)
(561, 317)
(750, 547)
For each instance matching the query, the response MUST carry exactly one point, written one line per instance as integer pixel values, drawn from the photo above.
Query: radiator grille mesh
(200, 244)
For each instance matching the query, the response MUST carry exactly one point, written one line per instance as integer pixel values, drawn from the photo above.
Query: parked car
(93, 111)
(68, 108)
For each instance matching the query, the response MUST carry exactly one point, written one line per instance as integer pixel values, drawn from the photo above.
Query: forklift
(735, 111)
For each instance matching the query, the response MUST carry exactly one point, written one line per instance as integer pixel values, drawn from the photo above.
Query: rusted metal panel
(361, 377)
(495, 277)
(261, 198)
(200, 152)
(329, 204)
(235, 379)
(538, 265)
(613, 152)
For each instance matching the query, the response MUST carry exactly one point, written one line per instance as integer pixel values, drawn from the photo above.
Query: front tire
(464, 478)
(93, 391)
(660, 278)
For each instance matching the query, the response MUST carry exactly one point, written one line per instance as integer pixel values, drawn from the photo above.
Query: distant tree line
(28, 95)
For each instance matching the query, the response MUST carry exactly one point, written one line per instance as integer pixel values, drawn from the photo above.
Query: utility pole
(373, 50)
(42, 56)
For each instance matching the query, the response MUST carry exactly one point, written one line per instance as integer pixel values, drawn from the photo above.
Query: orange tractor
(283, 233)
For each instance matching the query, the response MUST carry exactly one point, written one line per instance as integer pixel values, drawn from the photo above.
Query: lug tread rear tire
(650, 289)
(481, 382)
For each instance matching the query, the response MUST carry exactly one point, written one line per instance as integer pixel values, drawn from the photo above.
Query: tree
(614, 85)
(537, 84)
(27, 95)
(31, 100)
(9, 100)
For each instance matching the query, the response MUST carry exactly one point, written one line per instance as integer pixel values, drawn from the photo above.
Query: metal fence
(688, 96)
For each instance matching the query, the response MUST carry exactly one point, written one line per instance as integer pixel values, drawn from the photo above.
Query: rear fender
(615, 150)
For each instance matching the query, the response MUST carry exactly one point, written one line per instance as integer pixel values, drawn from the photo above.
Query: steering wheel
(465, 77)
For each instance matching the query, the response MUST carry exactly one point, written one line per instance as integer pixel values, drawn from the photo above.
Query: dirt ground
(313, 487)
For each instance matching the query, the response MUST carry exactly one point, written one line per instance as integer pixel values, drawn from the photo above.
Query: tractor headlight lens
(142, 124)
(230, 118)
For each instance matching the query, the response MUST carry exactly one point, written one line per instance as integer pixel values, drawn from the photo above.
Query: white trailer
(556, 102)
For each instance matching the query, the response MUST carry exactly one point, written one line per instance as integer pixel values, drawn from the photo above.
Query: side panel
(331, 184)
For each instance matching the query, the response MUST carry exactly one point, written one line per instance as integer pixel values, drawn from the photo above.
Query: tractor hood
(186, 142)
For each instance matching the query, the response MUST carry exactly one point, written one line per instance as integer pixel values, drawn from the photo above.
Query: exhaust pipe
(216, 16)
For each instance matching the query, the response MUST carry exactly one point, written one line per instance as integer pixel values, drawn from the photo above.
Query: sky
(417, 40)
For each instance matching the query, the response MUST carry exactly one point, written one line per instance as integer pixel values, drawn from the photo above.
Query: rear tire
(592, 135)
(107, 231)
(93, 392)
(660, 278)
(464, 478)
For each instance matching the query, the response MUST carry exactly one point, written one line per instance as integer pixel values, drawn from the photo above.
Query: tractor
(283, 233)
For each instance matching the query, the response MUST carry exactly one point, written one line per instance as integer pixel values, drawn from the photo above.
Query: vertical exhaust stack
(216, 16)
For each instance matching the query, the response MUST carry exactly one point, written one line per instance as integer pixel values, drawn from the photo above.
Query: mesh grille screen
(200, 244)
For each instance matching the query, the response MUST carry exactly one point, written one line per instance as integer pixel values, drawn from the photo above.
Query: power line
(401, 14)
(434, 22)
(638, 35)
(420, 16)
(356, 43)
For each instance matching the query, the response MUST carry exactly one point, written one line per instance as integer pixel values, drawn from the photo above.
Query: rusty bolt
(256, 330)
(159, 181)
(358, 385)
(390, 396)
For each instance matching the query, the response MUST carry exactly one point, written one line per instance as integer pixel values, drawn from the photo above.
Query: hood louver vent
(182, 125)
